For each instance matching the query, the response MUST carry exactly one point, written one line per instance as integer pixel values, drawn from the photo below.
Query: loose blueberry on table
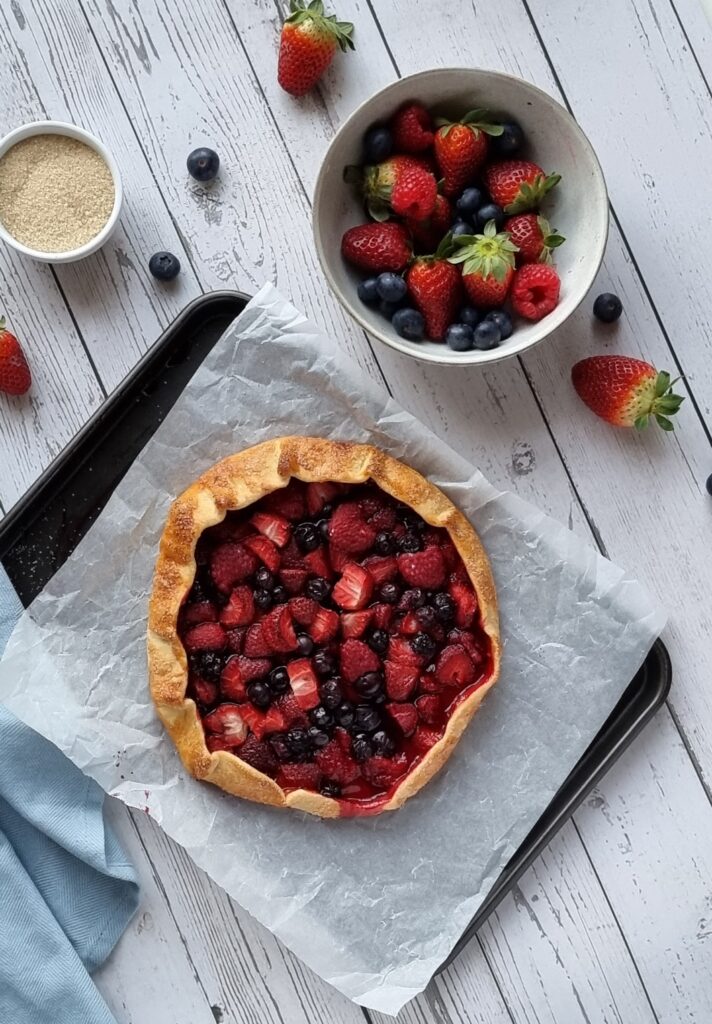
(330, 633)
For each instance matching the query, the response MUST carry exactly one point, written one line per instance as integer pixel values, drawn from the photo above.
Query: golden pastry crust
(241, 480)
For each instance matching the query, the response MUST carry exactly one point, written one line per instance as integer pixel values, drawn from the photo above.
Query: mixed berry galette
(323, 625)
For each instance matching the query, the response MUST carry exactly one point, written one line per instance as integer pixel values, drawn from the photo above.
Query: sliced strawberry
(227, 720)
(214, 742)
(336, 764)
(343, 739)
(454, 667)
(468, 641)
(232, 683)
(429, 708)
(378, 511)
(203, 611)
(230, 529)
(382, 615)
(278, 631)
(405, 716)
(399, 649)
(349, 530)
(293, 579)
(339, 558)
(425, 739)
(465, 603)
(304, 683)
(320, 494)
(318, 564)
(354, 589)
(383, 772)
(205, 692)
(293, 715)
(235, 639)
(410, 624)
(254, 718)
(287, 501)
(429, 683)
(423, 568)
(355, 624)
(240, 609)
(299, 776)
(207, 636)
(265, 550)
(274, 721)
(256, 645)
(383, 568)
(357, 658)
(259, 755)
(275, 528)
(401, 679)
(303, 610)
(231, 564)
(292, 557)
(324, 626)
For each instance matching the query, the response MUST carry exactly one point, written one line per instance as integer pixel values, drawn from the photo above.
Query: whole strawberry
(535, 291)
(461, 149)
(625, 391)
(518, 185)
(307, 45)
(435, 286)
(15, 376)
(429, 233)
(412, 128)
(377, 247)
(488, 265)
(533, 237)
(401, 185)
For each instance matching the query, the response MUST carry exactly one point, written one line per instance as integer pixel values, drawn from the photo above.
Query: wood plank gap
(693, 52)
(382, 34)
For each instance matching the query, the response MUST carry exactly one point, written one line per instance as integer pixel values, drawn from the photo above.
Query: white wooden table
(614, 922)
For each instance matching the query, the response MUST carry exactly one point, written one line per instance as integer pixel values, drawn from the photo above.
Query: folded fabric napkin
(67, 890)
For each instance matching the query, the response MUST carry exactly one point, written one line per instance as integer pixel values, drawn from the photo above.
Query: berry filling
(330, 633)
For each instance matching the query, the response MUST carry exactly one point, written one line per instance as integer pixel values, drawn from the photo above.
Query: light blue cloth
(67, 890)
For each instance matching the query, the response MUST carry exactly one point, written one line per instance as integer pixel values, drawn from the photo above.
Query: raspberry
(300, 776)
(423, 568)
(336, 764)
(429, 708)
(203, 611)
(303, 610)
(382, 772)
(454, 667)
(258, 754)
(293, 579)
(231, 564)
(287, 501)
(349, 530)
(401, 679)
(255, 643)
(207, 636)
(465, 603)
(357, 659)
(535, 290)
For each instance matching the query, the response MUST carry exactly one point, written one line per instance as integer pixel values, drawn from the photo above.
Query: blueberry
(462, 227)
(385, 543)
(607, 307)
(378, 641)
(259, 693)
(469, 315)
(382, 743)
(164, 266)
(207, 664)
(367, 291)
(369, 685)
(264, 579)
(490, 212)
(391, 287)
(387, 309)
(278, 742)
(203, 164)
(279, 680)
(366, 718)
(486, 335)
(321, 717)
(503, 321)
(412, 599)
(330, 788)
(306, 644)
(298, 742)
(279, 595)
(410, 542)
(377, 144)
(409, 324)
(323, 528)
(306, 537)
(318, 589)
(389, 593)
(324, 663)
(469, 202)
(262, 598)
(459, 337)
(510, 141)
(317, 737)
(709, 484)
(444, 607)
(424, 645)
(330, 693)
(344, 714)
(361, 748)
(426, 616)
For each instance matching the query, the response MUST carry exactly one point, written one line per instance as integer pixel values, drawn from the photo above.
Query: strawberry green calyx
(550, 239)
(300, 13)
(531, 194)
(490, 254)
(473, 119)
(659, 401)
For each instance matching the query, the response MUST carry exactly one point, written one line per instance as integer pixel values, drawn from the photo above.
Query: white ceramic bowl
(25, 131)
(577, 207)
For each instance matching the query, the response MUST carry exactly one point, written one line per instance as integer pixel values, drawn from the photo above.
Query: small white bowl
(577, 207)
(26, 131)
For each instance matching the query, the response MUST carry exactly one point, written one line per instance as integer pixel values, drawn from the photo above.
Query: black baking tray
(41, 531)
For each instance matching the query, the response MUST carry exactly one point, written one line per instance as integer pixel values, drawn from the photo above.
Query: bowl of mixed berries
(460, 215)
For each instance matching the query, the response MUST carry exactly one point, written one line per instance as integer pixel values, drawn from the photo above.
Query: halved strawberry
(357, 658)
(424, 739)
(349, 531)
(320, 494)
(206, 636)
(256, 645)
(324, 626)
(454, 667)
(293, 579)
(215, 742)
(383, 772)
(278, 631)
(382, 615)
(202, 611)
(465, 603)
(318, 564)
(429, 708)
(232, 683)
(354, 589)
(355, 624)
(423, 568)
(304, 683)
(299, 776)
(336, 764)
(399, 649)
(259, 755)
(235, 639)
(338, 558)
(383, 568)
(405, 716)
(231, 564)
(230, 529)
(275, 528)
(240, 609)
(291, 712)
(204, 691)
(303, 610)
(265, 550)
(410, 624)
(227, 720)
(287, 501)
(274, 720)
(401, 679)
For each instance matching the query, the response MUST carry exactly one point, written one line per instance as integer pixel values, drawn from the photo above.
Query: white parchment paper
(373, 905)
